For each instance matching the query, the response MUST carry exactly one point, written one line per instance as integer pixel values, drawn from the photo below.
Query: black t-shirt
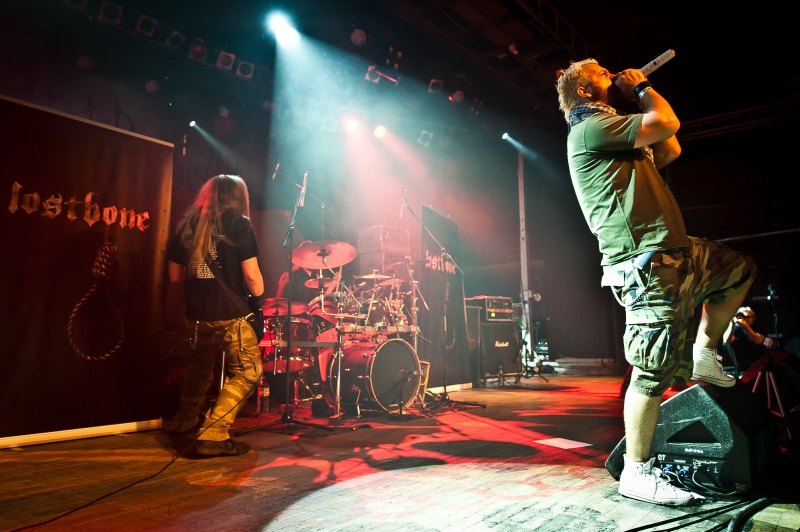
(203, 296)
(300, 292)
(747, 351)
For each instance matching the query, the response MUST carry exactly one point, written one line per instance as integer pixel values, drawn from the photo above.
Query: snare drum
(385, 375)
(274, 345)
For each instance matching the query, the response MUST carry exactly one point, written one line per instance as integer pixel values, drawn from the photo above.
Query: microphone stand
(287, 418)
(444, 398)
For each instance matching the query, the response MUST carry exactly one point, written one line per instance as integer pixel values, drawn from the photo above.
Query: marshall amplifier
(494, 308)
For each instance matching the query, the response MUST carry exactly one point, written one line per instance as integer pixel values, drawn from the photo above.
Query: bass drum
(386, 375)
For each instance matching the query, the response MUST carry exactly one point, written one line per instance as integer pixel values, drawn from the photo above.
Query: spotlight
(456, 97)
(245, 70)
(110, 12)
(280, 25)
(225, 60)
(351, 125)
(380, 131)
(505, 136)
(358, 37)
(372, 74)
(146, 25)
(174, 41)
(435, 85)
(198, 51)
(425, 138)
(192, 123)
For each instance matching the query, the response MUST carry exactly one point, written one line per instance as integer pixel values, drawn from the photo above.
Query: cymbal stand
(287, 417)
(444, 397)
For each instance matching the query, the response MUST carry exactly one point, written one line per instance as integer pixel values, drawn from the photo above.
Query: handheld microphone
(303, 190)
(651, 67)
(276, 171)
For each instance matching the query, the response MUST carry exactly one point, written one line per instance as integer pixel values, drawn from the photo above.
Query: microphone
(402, 205)
(651, 67)
(303, 190)
(276, 171)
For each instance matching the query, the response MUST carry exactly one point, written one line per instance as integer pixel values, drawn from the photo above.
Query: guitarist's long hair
(220, 194)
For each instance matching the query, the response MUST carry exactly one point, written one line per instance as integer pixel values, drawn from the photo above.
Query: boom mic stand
(287, 418)
(443, 398)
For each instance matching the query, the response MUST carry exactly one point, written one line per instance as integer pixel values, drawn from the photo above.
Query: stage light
(192, 123)
(358, 37)
(456, 97)
(351, 125)
(174, 41)
(245, 70)
(505, 136)
(146, 25)
(110, 12)
(435, 85)
(425, 138)
(280, 25)
(198, 51)
(226, 60)
(380, 131)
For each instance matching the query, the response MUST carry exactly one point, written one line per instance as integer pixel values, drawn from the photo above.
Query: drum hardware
(314, 256)
(276, 307)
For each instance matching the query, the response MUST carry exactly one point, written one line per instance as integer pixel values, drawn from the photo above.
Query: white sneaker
(643, 482)
(709, 369)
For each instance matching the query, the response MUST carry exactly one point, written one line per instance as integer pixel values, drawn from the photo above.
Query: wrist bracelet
(641, 88)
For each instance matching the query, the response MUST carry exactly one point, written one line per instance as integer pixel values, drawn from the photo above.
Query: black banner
(83, 224)
(443, 334)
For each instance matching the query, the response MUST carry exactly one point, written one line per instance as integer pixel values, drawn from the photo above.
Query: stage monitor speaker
(500, 348)
(724, 433)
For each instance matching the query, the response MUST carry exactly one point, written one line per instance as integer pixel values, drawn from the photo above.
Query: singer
(657, 272)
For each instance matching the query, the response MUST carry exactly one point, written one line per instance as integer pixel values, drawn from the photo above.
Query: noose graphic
(101, 272)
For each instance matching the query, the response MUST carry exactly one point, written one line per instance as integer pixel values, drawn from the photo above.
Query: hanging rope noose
(101, 272)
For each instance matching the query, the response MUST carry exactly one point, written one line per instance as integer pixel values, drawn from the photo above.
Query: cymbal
(375, 276)
(324, 254)
(393, 282)
(280, 307)
(317, 283)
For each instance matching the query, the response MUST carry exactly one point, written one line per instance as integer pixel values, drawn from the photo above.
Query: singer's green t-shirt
(624, 199)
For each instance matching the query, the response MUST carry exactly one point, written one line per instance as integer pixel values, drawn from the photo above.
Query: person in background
(655, 270)
(215, 253)
(744, 340)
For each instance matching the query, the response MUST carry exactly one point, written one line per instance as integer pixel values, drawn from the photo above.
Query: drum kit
(358, 336)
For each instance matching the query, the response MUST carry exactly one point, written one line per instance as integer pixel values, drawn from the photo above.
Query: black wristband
(641, 88)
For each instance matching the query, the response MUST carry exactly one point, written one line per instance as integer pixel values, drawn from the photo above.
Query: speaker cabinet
(726, 433)
(474, 343)
(500, 349)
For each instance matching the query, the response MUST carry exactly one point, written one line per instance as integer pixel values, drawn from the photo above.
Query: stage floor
(532, 459)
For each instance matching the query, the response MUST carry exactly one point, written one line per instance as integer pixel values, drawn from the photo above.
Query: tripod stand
(769, 366)
(287, 417)
(444, 398)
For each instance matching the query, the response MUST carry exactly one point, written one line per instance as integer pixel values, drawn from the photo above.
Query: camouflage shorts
(661, 300)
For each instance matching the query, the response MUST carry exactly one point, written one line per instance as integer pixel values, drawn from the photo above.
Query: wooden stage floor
(532, 459)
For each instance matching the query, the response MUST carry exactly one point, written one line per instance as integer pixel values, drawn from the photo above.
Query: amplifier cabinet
(495, 308)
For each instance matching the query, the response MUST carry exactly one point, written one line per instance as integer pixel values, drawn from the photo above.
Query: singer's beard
(613, 96)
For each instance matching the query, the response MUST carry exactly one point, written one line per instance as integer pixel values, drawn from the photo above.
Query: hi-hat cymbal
(280, 307)
(324, 254)
(317, 283)
(393, 282)
(376, 276)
